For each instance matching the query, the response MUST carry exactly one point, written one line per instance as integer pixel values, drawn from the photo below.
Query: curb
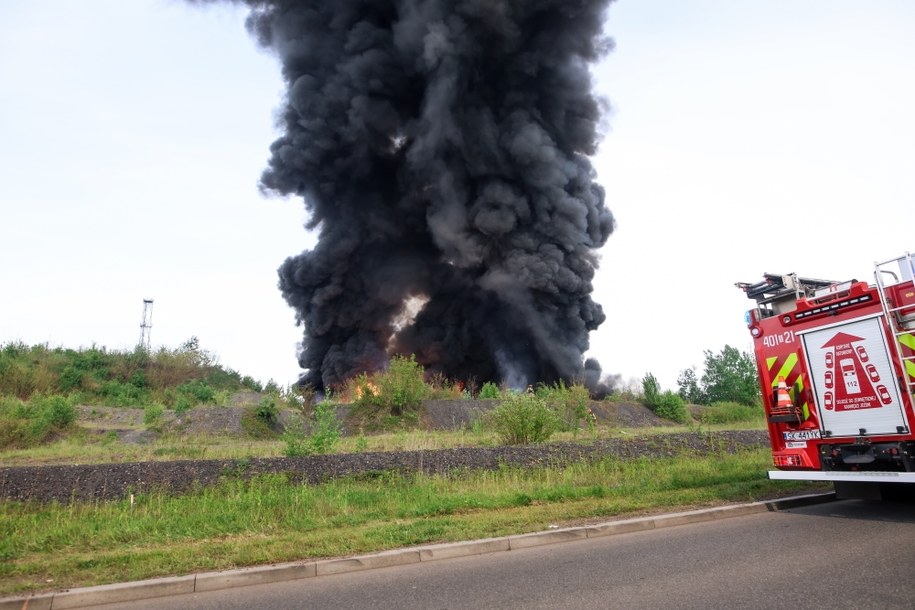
(213, 581)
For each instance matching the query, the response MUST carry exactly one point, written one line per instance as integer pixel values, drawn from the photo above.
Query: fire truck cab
(836, 362)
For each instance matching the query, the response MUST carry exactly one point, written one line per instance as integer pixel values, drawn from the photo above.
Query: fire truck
(836, 363)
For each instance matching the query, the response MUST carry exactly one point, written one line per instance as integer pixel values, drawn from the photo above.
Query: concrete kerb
(212, 581)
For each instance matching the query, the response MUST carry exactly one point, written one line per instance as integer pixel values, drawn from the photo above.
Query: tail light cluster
(787, 460)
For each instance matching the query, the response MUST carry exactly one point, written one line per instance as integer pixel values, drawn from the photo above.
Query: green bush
(670, 405)
(250, 383)
(266, 410)
(523, 418)
(402, 387)
(489, 391)
(120, 379)
(295, 437)
(120, 394)
(25, 425)
(569, 403)
(15, 433)
(55, 410)
(182, 404)
(255, 425)
(731, 412)
(152, 414)
(324, 436)
(325, 428)
(198, 391)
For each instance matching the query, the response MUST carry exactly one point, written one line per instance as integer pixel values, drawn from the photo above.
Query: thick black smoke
(441, 148)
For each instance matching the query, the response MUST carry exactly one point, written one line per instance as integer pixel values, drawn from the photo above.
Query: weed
(362, 444)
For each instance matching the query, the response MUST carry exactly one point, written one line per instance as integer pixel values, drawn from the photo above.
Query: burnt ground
(65, 483)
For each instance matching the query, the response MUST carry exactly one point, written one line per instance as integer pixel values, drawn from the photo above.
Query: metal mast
(146, 324)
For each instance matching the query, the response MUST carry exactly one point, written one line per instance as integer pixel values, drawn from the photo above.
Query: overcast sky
(744, 137)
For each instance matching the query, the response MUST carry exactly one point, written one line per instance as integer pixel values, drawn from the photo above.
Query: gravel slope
(111, 481)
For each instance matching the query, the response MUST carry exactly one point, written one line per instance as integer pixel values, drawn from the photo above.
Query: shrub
(152, 414)
(402, 387)
(255, 425)
(56, 411)
(569, 403)
(670, 405)
(120, 394)
(252, 384)
(198, 391)
(325, 432)
(25, 425)
(325, 428)
(523, 418)
(489, 391)
(182, 404)
(15, 433)
(295, 437)
(266, 410)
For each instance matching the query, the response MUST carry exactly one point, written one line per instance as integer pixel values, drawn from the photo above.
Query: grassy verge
(265, 520)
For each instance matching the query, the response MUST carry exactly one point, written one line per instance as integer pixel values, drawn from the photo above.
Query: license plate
(801, 435)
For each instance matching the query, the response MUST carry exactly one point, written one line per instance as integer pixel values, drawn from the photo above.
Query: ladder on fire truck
(898, 300)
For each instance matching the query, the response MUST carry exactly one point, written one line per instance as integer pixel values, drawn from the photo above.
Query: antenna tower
(146, 324)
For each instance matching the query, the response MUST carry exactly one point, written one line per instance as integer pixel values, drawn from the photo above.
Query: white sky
(745, 137)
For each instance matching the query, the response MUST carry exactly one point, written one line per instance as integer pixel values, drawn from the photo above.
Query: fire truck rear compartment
(865, 456)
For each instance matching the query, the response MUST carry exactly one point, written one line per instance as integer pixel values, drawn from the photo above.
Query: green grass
(268, 519)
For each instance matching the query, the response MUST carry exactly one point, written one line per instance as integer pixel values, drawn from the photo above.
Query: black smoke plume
(441, 148)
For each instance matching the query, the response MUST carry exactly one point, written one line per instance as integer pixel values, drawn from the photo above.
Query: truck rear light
(755, 331)
(787, 460)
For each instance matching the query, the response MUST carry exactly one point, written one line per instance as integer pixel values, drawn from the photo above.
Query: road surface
(846, 554)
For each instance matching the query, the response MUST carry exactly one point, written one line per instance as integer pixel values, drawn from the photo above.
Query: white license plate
(801, 435)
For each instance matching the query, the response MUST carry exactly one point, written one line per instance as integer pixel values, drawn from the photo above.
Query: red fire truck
(836, 363)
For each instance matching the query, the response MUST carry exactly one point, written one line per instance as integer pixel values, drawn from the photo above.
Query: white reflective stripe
(832, 475)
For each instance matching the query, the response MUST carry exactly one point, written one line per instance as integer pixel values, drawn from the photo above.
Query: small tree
(688, 385)
(730, 376)
(665, 404)
(651, 389)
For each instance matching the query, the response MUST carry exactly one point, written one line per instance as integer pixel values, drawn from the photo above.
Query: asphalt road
(847, 554)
